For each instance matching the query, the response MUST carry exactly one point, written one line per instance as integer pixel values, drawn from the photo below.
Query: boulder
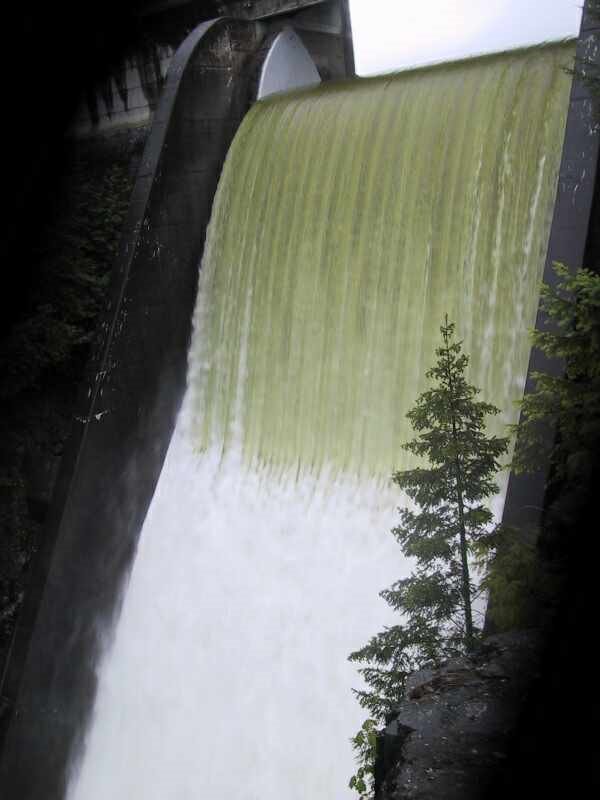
(451, 733)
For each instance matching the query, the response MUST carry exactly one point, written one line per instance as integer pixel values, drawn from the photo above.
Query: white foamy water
(228, 674)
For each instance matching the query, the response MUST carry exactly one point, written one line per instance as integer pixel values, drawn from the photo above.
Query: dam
(349, 218)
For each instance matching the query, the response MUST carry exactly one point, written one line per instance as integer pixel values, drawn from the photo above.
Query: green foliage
(391, 656)
(516, 581)
(567, 401)
(365, 747)
(448, 522)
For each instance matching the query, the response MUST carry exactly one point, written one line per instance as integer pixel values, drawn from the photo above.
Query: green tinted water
(348, 220)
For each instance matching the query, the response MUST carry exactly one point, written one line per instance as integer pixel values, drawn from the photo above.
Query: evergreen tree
(449, 520)
(565, 401)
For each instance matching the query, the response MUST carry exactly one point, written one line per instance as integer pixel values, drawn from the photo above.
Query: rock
(492, 670)
(451, 732)
(417, 683)
(458, 664)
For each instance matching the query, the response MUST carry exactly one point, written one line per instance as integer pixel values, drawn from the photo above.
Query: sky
(394, 34)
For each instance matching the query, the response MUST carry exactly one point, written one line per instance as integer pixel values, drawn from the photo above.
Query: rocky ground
(451, 736)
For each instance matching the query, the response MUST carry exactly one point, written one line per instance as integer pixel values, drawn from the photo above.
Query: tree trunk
(465, 578)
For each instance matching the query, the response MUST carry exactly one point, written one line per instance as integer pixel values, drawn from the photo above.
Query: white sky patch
(393, 34)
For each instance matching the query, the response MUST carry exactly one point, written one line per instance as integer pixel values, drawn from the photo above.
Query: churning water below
(348, 220)
(228, 675)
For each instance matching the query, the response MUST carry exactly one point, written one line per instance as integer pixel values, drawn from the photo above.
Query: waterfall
(348, 220)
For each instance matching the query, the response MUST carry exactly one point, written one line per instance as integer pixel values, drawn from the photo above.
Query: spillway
(348, 220)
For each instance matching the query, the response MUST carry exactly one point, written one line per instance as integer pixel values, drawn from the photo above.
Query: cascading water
(349, 219)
